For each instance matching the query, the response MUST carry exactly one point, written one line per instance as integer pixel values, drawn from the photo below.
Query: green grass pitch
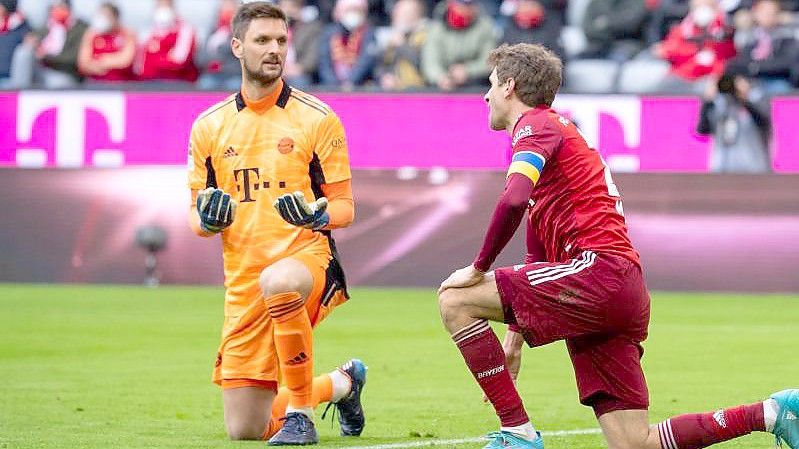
(128, 367)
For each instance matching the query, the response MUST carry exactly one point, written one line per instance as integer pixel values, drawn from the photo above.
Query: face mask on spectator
(459, 17)
(164, 18)
(352, 20)
(703, 15)
(101, 24)
(59, 14)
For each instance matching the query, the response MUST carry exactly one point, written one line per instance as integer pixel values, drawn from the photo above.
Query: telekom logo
(585, 110)
(70, 128)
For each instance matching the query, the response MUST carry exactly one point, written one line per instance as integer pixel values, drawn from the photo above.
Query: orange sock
(294, 344)
(271, 429)
(322, 392)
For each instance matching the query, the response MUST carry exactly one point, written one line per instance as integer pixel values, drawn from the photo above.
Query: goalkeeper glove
(296, 210)
(216, 210)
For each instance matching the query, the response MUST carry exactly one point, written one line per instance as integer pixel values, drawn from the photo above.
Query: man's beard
(261, 78)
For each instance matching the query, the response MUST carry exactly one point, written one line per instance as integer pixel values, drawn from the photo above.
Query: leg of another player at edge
(630, 429)
(465, 313)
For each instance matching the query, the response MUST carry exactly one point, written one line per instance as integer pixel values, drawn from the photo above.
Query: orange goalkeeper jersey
(257, 151)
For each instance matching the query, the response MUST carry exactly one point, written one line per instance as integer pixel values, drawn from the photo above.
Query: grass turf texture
(128, 367)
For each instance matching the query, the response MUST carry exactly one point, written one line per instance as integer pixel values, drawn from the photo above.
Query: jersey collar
(278, 97)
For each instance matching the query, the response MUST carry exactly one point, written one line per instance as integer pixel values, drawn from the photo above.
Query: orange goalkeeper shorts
(247, 351)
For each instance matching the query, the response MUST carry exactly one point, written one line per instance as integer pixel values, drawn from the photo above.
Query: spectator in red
(697, 48)
(108, 49)
(168, 53)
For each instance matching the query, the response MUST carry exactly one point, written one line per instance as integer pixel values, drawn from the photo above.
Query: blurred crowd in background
(630, 46)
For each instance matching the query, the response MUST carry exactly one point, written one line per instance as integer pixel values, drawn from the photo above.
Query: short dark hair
(254, 10)
(536, 71)
(111, 7)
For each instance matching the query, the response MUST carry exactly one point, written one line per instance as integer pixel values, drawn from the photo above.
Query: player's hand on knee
(465, 277)
(294, 208)
(216, 209)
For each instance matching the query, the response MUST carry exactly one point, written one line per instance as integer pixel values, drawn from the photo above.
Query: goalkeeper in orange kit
(269, 172)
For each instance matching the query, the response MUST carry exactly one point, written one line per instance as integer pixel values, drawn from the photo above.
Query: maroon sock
(486, 360)
(703, 429)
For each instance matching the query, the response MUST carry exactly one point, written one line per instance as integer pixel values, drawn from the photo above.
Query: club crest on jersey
(286, 145)
(527, 131)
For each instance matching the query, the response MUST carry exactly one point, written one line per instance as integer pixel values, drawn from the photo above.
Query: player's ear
(236, 46)
(510, 85)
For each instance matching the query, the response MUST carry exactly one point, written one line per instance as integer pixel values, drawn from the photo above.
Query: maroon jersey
(572, 201)
(108, 44)
(575, 204)
(169, 54)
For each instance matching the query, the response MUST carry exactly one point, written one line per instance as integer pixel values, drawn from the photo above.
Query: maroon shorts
(599, 304)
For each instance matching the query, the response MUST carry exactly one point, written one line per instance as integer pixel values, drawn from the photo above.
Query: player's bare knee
(245, 431)
(274, 282)
(450, 305)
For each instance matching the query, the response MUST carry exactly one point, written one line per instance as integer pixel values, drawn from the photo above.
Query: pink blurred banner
(114, 128)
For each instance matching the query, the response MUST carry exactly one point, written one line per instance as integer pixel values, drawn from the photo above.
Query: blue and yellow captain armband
(528, 164)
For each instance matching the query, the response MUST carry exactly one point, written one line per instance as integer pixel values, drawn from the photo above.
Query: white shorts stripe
(582, 265)
(557, 270)
(546, 271)
(542, 271)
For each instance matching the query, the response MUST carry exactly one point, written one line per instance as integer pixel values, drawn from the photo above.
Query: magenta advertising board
(115, 128)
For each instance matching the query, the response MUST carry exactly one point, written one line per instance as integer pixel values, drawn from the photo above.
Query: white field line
(425, 443)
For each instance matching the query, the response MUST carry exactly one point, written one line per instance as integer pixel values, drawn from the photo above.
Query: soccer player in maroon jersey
(581, 281)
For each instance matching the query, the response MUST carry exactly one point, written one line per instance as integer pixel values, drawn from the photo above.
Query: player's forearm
(341, 206)
(507, 217)
(342, 213)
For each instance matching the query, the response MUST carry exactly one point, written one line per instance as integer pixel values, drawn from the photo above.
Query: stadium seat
(575, 12)
(572, 36)
(642, 76)
(35, 11)
(201, 14)
(595, 76)
(573, 40)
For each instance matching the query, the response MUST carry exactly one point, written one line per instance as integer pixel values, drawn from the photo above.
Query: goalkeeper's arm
(340, 207)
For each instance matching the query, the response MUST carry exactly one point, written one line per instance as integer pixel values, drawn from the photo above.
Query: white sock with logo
(342, 384)
(307, 411)
(770, 410)
(526, 431)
